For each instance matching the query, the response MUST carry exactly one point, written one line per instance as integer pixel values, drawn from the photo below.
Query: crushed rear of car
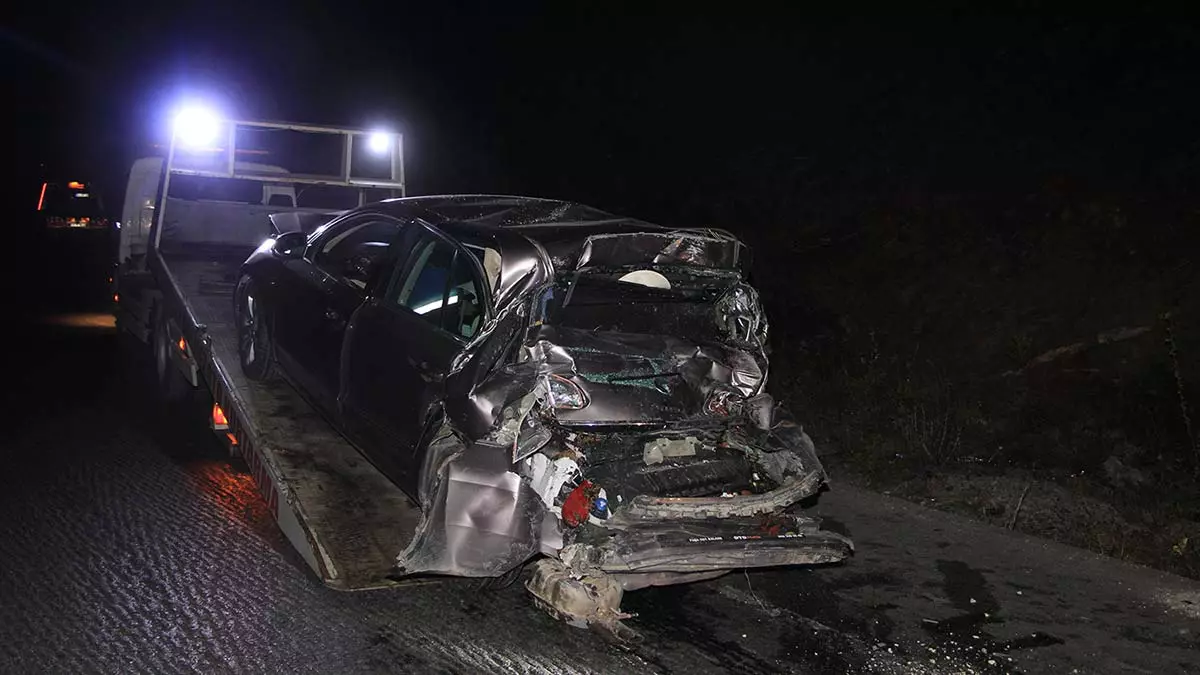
(624, 436)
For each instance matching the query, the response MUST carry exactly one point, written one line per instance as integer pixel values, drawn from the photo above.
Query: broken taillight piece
(578, 505)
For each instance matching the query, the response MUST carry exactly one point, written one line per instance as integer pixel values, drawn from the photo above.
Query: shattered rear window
(674, 248)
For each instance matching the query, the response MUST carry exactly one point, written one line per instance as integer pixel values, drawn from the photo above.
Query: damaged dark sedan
(555, 386)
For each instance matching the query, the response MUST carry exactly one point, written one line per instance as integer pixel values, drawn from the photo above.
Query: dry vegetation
(1042, 352)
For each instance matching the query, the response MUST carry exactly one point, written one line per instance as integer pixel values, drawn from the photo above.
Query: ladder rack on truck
(347, 520)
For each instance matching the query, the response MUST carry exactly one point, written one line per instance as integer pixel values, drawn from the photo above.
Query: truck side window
(441, 288)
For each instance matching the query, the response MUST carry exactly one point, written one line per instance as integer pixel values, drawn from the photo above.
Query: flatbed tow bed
(346, 519)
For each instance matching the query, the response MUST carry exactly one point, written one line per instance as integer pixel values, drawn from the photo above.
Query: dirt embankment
(1032, 362)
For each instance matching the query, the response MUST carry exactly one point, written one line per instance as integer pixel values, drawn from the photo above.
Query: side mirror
(290, 244)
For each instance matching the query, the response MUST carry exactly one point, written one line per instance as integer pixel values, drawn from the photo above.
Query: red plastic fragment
(578, 504)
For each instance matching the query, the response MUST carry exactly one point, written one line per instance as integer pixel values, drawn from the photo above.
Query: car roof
(534, 217)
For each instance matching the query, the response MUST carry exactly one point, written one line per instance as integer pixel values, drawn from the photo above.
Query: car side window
(355, 251)
(440, 285)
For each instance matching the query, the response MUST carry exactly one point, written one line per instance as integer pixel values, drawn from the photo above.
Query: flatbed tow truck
(193, 218)
(180, 252)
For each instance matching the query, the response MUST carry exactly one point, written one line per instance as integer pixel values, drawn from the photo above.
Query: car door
(401, 346)
(326, 286)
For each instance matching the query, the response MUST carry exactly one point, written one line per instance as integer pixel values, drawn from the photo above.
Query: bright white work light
(196, 127)
(379, 142)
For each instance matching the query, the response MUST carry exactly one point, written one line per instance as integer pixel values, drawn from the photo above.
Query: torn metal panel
(694, 546)
(646, 507)
(708, 250)
(613, 416)
(478, 519)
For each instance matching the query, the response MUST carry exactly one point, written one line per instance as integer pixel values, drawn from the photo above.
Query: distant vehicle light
(76, 185)
(379, 142)
(81, 194)
(196, 127)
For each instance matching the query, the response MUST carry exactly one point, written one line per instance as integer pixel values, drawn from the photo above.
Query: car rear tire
(256, 341)
(172, 387)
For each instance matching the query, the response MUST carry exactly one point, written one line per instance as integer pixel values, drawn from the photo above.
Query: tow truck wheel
(256, 344)
(171, 385)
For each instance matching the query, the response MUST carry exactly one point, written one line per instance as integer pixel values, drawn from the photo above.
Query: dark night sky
(659, 114)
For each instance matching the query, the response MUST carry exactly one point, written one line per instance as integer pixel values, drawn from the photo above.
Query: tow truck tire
(171, 385)
(256, 342)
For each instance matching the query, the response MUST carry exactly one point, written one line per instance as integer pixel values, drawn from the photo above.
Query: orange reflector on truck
(219, 421)
(182, 345)
(232, 438)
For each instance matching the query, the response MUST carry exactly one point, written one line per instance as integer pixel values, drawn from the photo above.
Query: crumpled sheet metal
(479, 519)
(739, 311)
(647, 507)
(707, 368)
(482, 518)
(690, 547)
(531, 277)
(690, 247)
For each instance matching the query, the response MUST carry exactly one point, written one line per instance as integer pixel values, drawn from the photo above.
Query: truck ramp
(345, 518)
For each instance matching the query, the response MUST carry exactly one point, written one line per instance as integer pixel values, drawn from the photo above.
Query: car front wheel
(256, 344)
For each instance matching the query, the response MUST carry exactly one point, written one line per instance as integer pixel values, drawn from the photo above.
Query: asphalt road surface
(130, 543)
